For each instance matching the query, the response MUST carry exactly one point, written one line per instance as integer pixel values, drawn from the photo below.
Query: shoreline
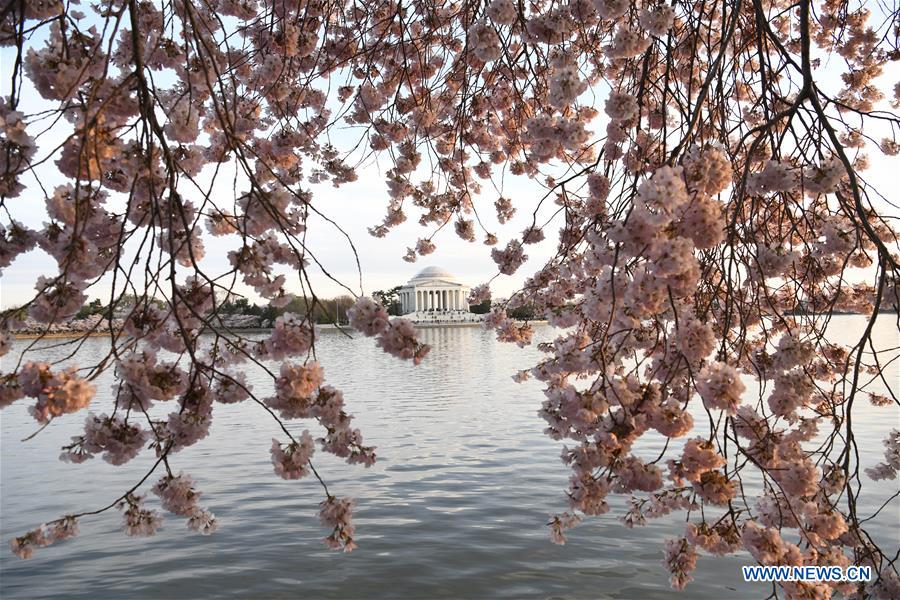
(51, 335)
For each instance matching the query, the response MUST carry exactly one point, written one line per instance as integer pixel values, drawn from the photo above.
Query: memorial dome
(434, 273)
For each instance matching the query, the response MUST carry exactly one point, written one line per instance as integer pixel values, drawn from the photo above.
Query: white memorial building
(434, 290)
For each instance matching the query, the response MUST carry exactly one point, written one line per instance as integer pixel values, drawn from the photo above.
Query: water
(456, 506)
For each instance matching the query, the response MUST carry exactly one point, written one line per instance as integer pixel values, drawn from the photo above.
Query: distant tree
(331, 310)
(93, 307)
(238, 306)
(522, 313)
(296, 306)
(482, 308)
(390, 299)
(344, 304)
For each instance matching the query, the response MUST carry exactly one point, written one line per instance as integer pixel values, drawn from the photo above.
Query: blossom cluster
(178, 496)
(300, 394)
(45, 535)
(139, 521)
(337, 513)
(292, 461)
(395, 336)
(56, 392)
(118, 440)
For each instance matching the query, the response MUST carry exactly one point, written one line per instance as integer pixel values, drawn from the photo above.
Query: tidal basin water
(456, 506)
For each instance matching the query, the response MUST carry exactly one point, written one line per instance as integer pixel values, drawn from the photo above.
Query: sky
(356, 207)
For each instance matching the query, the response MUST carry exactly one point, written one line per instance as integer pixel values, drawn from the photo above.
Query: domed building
(434, 290)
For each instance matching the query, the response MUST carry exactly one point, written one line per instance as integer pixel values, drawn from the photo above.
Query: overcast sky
(356, 207)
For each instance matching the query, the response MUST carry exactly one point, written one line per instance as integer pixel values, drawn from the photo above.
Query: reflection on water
(455, 507)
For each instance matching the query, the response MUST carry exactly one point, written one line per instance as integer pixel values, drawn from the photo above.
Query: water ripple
(456, 507)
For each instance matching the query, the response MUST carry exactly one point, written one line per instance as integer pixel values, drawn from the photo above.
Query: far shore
(247, 330)
(31, 335)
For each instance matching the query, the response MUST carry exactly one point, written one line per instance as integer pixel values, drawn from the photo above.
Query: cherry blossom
(292, 462)
(701, 192)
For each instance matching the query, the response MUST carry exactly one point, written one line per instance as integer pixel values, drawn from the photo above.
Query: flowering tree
(711, 185)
